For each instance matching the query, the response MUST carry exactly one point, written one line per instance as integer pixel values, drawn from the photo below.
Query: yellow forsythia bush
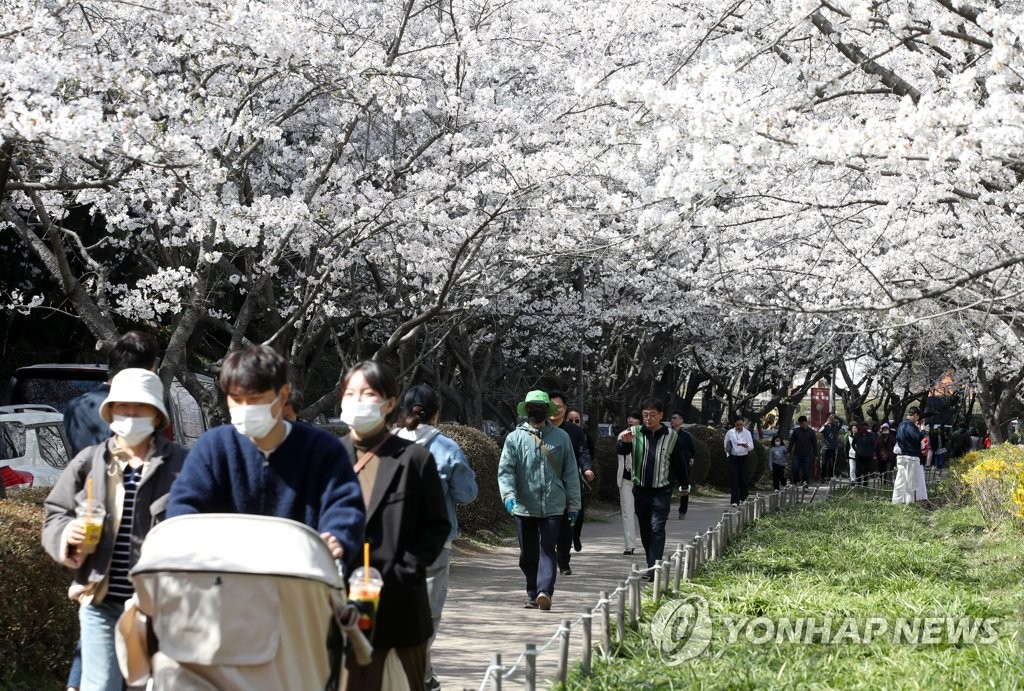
(995, 479)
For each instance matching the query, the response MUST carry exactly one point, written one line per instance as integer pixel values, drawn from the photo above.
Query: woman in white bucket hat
(125, 481)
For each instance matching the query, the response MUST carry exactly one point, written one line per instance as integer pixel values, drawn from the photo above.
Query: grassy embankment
(857, 559)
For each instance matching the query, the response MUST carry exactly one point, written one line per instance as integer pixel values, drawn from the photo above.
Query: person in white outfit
(738, 445)
(624, 481)
(909, 485)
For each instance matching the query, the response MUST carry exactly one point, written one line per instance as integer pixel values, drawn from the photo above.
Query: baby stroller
(232, 601)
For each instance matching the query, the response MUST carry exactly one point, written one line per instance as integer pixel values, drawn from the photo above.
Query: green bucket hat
(537, 397)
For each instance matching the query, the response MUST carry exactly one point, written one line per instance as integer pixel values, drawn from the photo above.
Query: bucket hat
(537, 397)
(135, 385)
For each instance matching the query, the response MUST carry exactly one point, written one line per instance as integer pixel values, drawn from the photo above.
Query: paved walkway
(485, 615)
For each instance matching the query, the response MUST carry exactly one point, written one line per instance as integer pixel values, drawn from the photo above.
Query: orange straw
(88, 497)
(366, 562)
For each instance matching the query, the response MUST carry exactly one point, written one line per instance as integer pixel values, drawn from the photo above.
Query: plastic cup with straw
(92, 516)
(364, 587)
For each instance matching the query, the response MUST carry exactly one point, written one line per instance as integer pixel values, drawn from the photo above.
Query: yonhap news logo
(682, 629)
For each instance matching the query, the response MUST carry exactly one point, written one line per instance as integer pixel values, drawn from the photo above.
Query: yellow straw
(366, 562)
(88, 497)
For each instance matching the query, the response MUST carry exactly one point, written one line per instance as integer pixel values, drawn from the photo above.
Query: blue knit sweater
(308, 478)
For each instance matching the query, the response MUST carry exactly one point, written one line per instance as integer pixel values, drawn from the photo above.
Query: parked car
(55, 385)
(33, 448)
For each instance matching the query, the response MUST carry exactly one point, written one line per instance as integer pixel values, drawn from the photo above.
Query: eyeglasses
(650, 414)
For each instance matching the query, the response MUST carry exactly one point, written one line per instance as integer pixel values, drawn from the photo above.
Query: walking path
(485, 615)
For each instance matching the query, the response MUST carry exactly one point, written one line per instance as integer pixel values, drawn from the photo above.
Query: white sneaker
(544, 601)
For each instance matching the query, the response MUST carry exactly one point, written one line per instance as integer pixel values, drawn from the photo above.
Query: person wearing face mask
(407, 525)
(539, 482)
(266, 465)
(885, 454)
(777, 462)
(131, 474)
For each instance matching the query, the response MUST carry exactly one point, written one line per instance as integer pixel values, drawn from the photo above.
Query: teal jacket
(543, 484)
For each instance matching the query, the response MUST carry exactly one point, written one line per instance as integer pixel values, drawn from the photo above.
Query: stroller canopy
(238, 543)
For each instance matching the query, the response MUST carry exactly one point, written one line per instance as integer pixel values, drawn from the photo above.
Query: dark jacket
(803, 442)
(863, 444)
(150, 504)
(406, 526)
(308, 478)
(580, 445)
(908, 436)
(82, 422)
(884, 447)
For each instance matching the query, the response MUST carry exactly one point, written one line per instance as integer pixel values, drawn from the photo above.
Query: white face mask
(133, 430)
(361, 415)
(255, 420)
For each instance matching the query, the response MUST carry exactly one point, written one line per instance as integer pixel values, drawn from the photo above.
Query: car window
(51, 445)
(52, 392)
(12, 440)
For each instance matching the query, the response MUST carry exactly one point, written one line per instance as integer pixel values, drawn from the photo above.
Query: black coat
(407, 527)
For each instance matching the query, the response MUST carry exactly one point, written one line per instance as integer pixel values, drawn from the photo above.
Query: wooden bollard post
(698, 551)
(666, 573)
(687, 562)
(657, 580)
(588, 642)
(634, 598)
(606, 624)
(620, 613)
(531, 667)
(709, 538)
(498, 671)
(563, 651)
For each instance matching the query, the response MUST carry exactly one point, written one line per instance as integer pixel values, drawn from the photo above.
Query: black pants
(865, 466)
(684, 503)
(778, 476)
(828, 464)
(652, 507)
(738, 478)
(566, 534)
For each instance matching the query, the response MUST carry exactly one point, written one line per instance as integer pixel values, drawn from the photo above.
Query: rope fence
(666, 576)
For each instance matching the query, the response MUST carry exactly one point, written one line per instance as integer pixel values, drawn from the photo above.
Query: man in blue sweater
(262, 464)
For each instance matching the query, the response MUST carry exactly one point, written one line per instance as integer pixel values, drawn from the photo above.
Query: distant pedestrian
(624, 481)
(885, 457)
(569, 534)
(829, 446)
(803, 447)
(690, 452)
(909, 485)
(738, 445)
(421, 407)
(777, 462)
(862, 449)
(658, 465)
(539, 482)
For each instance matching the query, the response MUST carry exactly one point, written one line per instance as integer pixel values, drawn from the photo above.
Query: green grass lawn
(862, 564)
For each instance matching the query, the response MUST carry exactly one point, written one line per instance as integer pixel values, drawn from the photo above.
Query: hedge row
(38, 624)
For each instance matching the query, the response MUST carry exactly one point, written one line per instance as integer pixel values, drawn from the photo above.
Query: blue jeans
(537, 538)
(801, 461)
(75, 675)
(652, 507)
(99, 661)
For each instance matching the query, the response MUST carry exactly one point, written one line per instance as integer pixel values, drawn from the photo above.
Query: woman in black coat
(406, 523)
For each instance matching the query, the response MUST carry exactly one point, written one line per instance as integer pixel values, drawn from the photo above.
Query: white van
(33, 444)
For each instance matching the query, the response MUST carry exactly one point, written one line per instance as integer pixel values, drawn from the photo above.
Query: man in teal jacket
(538, 480)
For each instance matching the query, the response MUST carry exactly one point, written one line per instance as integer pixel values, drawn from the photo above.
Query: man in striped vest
(658, 466)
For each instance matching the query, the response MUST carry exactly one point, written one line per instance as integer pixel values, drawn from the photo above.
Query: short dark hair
(135, 349)
(574, 409)
(635, 414)
(679, 413)
(653, 403)
(380, 378)
(914, 410)
(555, 393)
(802, 418)
(254, 369)
(737, 418)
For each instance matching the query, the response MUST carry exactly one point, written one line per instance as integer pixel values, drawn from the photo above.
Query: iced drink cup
(93, 519)
(364, 593)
